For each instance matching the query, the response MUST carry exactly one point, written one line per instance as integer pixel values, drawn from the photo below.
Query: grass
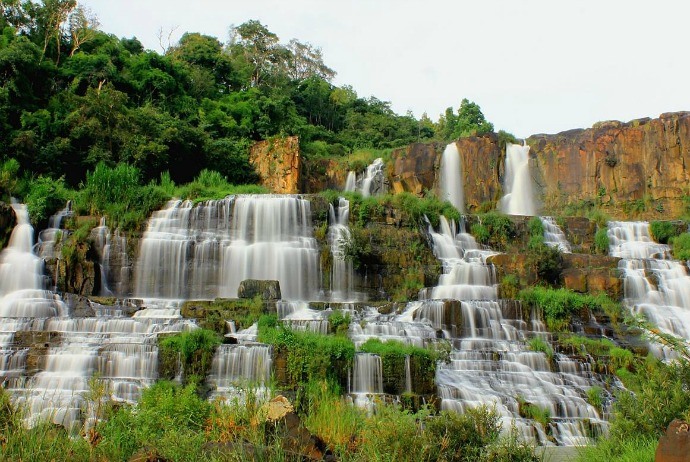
(539, 344)
(636, 449)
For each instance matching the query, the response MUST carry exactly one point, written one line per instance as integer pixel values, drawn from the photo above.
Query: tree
(306, 61)
(83, 27)
(260, 48)
(471, 121)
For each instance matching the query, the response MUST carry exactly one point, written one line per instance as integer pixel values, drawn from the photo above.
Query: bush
(539, 344)
(601, 241)
(196, 349)
(510, 286)
(663, 231)
(495, 230)
(44, 196)
(560, 304)
(680, 247)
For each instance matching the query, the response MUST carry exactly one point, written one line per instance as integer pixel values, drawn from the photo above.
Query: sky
(533, 66)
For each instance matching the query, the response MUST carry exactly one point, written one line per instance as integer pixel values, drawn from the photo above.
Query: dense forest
(73, 96)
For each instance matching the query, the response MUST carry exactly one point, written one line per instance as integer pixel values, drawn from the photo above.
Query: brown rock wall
(277, 162)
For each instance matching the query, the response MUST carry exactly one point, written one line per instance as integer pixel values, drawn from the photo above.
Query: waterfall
(490, 362)
(238, 368)
(373, 180)
(350, 182)
(121, 350)
(554, 236)
(654, 285)
(367, 376)
(271, 238)
(518, 198)
(339, 237)
(22, 283)
(451, 177)
(113, 260)
(204, 251)
(49, 236)
(301, 318)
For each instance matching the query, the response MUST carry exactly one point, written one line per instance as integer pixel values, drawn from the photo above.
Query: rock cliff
(277, 162)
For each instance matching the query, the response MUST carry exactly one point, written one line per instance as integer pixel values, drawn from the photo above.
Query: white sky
(534, 66)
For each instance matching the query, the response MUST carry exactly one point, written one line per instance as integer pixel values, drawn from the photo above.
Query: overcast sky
(533, 66)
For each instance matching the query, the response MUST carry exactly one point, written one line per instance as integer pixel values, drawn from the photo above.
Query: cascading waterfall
(236, 367)
(367, 379)
(490, 363)
(121, 350)
(519, 196)
(339, 237)
(247, 237)
(372, 182)
(554, 236)
(655, 285)
(271, 238)
(49, 236)
(451, 177)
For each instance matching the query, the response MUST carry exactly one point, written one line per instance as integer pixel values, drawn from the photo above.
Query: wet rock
(674, 445)
(266, 290)
(278, 164)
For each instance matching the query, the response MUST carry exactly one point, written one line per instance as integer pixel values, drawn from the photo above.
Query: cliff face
(634, 168)
(617, 163)
(277, 162)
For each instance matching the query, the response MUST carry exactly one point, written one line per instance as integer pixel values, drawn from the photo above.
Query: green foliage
(633, 449)
(422, 362)
(494, 229)
(510, 286)
(310, 356)
(534, 412)
(9, 171)
(680, 246)
(595, 397)
(559, 305)
(415, 208)
(539, 344)
(339, 322)
(547, 261)
(164, 410)
(663, 231)
(195, 348)
(44, 196)
(601, 241)
(535, 227)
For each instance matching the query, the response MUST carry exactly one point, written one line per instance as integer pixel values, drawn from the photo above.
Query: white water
(265, 237)
(238, 368)
(339, 238)
(451, 177)
(350, 182)
(519, 195)
(554, 236)
(655, 285)
(372, 182)
(490, 362)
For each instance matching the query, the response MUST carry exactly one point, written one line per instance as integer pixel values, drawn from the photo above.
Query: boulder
(266, 290)
(674, 445)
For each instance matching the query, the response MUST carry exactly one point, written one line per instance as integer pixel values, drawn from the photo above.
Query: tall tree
(306, 61)
(83, 27)
(260, 48)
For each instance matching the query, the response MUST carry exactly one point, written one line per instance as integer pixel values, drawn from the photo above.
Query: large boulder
(674, 445)
(266, 290)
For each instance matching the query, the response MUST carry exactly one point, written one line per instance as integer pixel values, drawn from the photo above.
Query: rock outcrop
(642, 163)
(277, 162)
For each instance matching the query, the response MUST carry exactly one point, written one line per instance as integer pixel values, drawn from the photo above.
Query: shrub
(680, 246)
(560, 304)
(510, 286)
(498, 232)
(339, 322)
(546, 261)
(601, 241)
(539, 344)
(595, 397)
(663, 231)
(393, 353)
(196, 349)
(44, 196)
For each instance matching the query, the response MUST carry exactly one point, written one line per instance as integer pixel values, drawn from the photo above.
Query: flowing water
(350, 182)
(490, 362)
(120, 350)
(654, 285)
(451, 177)
(373, 179)
(339, 238)
(554, 236)
(204, 251)
(519, 195)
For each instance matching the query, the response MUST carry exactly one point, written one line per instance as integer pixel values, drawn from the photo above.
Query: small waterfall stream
(339, 237)
(451, 177)
(519, 196)
(554, 236)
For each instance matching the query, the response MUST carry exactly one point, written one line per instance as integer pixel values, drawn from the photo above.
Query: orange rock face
(643, 160)
(277, 162)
